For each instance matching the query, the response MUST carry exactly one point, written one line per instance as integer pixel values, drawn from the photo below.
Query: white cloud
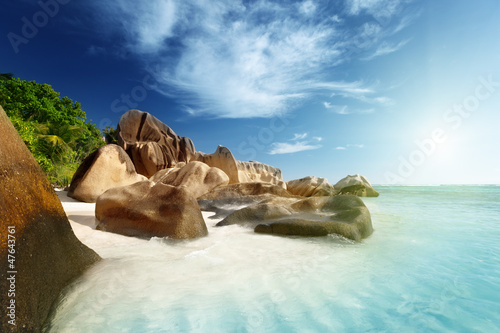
(356, 87)
(307, 7)
(336, 19)
(297, 136)
(236, 59)
(381, 100)
(378, 8)
(145, 25)
(239, 69)
(298, 144)
(340, 109)
(350, 145)
(386, 48)
(288, 148)
(189, 110)
(406, 20)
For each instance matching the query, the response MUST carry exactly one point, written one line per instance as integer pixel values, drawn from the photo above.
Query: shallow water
(432, 264)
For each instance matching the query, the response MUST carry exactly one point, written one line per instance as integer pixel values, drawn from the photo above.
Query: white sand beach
(81, 216)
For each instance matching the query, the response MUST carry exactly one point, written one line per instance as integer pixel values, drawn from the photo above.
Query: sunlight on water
(431, 265)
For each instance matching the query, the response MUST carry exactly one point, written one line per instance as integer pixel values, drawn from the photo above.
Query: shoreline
(81, 216)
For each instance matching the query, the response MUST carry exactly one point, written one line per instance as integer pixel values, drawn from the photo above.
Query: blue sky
(401, 91)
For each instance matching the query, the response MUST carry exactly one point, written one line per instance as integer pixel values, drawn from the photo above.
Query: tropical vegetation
(53, 128)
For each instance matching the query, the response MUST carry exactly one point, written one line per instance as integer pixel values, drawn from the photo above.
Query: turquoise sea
(431, 265)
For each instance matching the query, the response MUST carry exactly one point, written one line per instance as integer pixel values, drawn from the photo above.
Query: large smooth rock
(240, 171)
(151, 144)
(311, 186)
(107, 167)
(146, 209)
(244, 190)
(344, 215)
(162, 173)
(45, 254)
(224, 200)
(223, 159)
(198, 178)
(259, 172)
(267, 210)
(356, 185)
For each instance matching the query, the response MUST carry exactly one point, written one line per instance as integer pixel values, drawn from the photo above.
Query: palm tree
(58, 141)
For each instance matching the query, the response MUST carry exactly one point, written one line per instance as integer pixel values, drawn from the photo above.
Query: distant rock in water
(105, 168)
(198, 177)
(311, 187)
(36, 233)
(151, 144)
(344, 215)
(359, 190)
(146, 209)
(357, 185)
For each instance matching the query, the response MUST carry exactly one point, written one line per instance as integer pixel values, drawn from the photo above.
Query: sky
(400, 91)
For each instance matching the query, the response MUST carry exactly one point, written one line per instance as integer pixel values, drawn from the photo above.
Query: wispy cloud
(288, 148)
(350, 145)
(344, 109)
(366, 96)
(340, 109)
(298, 144)
(298, 136)
(380, 100)
(386, 48)
(376, 8)
(353, 90)
(407, 20)
(143, 26)
(238, 59)
(307, 7)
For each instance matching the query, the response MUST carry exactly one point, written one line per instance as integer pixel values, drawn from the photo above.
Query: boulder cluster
(155, 184)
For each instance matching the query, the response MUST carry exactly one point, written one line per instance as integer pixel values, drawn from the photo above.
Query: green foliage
(89, 140)
(27, 130)
(110, 135)
(63, 174)
(53, 128)
(39, 102)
